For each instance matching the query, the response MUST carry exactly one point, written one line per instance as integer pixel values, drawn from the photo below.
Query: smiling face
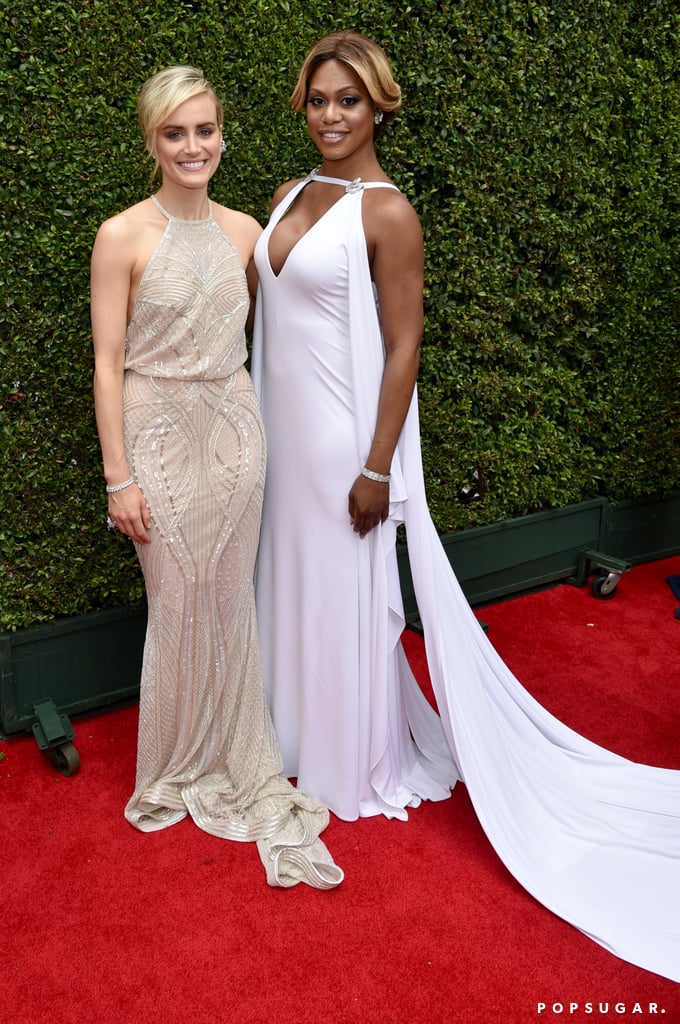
(188, 143)
(340, 112)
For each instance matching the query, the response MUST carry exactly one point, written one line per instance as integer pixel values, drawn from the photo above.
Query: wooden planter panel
(645, 529)
(82, 662)
(90, 661)
(503, 558)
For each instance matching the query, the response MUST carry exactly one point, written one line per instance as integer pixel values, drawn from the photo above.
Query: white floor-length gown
(594, 837)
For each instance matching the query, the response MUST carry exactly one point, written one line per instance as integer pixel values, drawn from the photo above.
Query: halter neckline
(204, 220)
(355, 185)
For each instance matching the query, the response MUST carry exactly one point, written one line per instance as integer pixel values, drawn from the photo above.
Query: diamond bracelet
(119, 487)
(380, 478)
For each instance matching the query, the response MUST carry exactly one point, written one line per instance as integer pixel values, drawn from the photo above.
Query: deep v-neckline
(277, 273)
(350, 187)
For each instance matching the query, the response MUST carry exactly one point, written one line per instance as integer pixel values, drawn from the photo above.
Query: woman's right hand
(368, 504)
(130, 513)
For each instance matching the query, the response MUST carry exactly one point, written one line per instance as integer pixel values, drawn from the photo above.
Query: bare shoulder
(283, 190)
(388, 214)
(241, 229)
(126, 226)
(236, 224)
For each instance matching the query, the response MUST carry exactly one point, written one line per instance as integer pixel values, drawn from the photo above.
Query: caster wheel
(65, 758)
(603, 587)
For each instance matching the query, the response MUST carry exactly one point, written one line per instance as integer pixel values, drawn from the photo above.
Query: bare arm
(111, 271)
(251, 277)
(251, 273)
(395, 244)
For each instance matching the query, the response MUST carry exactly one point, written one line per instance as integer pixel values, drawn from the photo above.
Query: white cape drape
(592, 836)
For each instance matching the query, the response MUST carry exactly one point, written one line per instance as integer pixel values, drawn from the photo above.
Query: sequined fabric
(195, 444)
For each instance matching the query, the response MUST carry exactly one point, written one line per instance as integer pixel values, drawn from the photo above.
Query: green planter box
(645, 529)
(80, 663)
(504, 558)
(520, 554)
(85, 662)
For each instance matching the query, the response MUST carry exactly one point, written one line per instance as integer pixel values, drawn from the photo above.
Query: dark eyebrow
(337, 92)
(204, 124)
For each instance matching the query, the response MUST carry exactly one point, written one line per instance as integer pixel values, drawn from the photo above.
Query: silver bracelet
(380, 478)
(119, 487)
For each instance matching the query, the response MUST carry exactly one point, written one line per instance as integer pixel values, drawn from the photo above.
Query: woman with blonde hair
(184, 456)
(594, 837)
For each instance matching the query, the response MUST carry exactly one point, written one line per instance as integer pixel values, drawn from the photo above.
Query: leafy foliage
(539, 146)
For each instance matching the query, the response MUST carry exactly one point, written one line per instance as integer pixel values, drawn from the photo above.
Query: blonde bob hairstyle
(365, 58)
(163, 93)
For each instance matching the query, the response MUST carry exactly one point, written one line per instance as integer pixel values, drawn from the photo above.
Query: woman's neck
(348, 170)
(184, 203)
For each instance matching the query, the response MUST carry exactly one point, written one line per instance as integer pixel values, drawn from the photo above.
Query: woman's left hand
(369, 504)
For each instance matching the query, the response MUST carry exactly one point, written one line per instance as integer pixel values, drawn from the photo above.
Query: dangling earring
(223, 146)
(378, 117)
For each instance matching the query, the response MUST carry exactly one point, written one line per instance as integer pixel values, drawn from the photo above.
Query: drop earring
(377, 119)
(223, 146)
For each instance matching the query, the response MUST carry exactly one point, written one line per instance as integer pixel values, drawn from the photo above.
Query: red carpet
(104, 924)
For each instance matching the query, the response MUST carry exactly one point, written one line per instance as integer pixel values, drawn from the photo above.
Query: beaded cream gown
(594, 837)
(195, 444)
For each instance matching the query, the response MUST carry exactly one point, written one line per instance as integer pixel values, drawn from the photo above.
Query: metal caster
(608, 571)
(65, 758)
(603, 587)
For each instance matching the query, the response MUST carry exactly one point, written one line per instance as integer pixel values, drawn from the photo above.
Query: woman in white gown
(594, 837)
(183, 450)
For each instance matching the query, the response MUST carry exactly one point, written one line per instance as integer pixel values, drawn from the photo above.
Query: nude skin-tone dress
(195, 445)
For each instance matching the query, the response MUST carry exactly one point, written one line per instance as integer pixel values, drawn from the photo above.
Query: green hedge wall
(538, 142)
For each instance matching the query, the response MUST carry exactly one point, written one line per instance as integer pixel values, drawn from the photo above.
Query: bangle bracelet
(380, 478)
(119, 487)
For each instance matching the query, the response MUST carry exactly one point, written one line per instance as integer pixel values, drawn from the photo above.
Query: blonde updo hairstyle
(365, 58)
(163, 93)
